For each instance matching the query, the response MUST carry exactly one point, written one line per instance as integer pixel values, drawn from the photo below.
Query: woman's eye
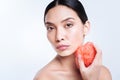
(50, 28)
(69, 25)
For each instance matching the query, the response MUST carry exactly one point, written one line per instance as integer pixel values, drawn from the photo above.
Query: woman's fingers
(91, 72)
(98, 58)
(81, 63)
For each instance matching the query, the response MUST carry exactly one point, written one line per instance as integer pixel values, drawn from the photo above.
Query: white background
(24, 48)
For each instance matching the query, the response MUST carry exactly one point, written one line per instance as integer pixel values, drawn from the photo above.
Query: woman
(67, 25)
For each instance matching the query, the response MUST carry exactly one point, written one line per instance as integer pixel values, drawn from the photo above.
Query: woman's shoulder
(41, 75)
(45, 72)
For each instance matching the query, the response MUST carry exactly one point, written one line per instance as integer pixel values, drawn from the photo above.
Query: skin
(67, 29)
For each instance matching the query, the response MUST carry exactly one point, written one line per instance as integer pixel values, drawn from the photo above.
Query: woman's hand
(91, 72)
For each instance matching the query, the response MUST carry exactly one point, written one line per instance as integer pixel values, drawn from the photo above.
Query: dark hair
(75, 5)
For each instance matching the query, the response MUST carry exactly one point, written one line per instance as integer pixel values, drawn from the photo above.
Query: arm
(105, 74)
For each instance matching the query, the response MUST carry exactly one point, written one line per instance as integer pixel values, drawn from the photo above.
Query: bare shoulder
(42, 74)
(45, 72)
(105, 74)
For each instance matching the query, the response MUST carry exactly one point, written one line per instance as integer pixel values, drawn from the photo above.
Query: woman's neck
(67, 63)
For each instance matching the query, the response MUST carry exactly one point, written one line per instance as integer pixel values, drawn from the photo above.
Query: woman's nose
(60, 36)
(59, 40)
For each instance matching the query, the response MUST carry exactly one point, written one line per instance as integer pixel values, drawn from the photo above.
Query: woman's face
(65, 31)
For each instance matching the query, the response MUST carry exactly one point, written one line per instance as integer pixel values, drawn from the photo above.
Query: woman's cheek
(78, 38)
(51, 38)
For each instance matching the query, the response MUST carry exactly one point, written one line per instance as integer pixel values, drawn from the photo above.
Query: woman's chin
(64, 53)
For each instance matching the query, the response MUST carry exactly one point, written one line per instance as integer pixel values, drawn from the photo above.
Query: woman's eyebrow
(67, 19)
(50, 23)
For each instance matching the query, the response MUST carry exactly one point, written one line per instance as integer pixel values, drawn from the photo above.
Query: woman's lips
(62, 47)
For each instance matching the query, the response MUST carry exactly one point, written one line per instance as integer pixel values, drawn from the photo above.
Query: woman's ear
(86, 28)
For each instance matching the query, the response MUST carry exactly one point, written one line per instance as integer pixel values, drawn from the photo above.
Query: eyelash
(69, 25)
(50, 28)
